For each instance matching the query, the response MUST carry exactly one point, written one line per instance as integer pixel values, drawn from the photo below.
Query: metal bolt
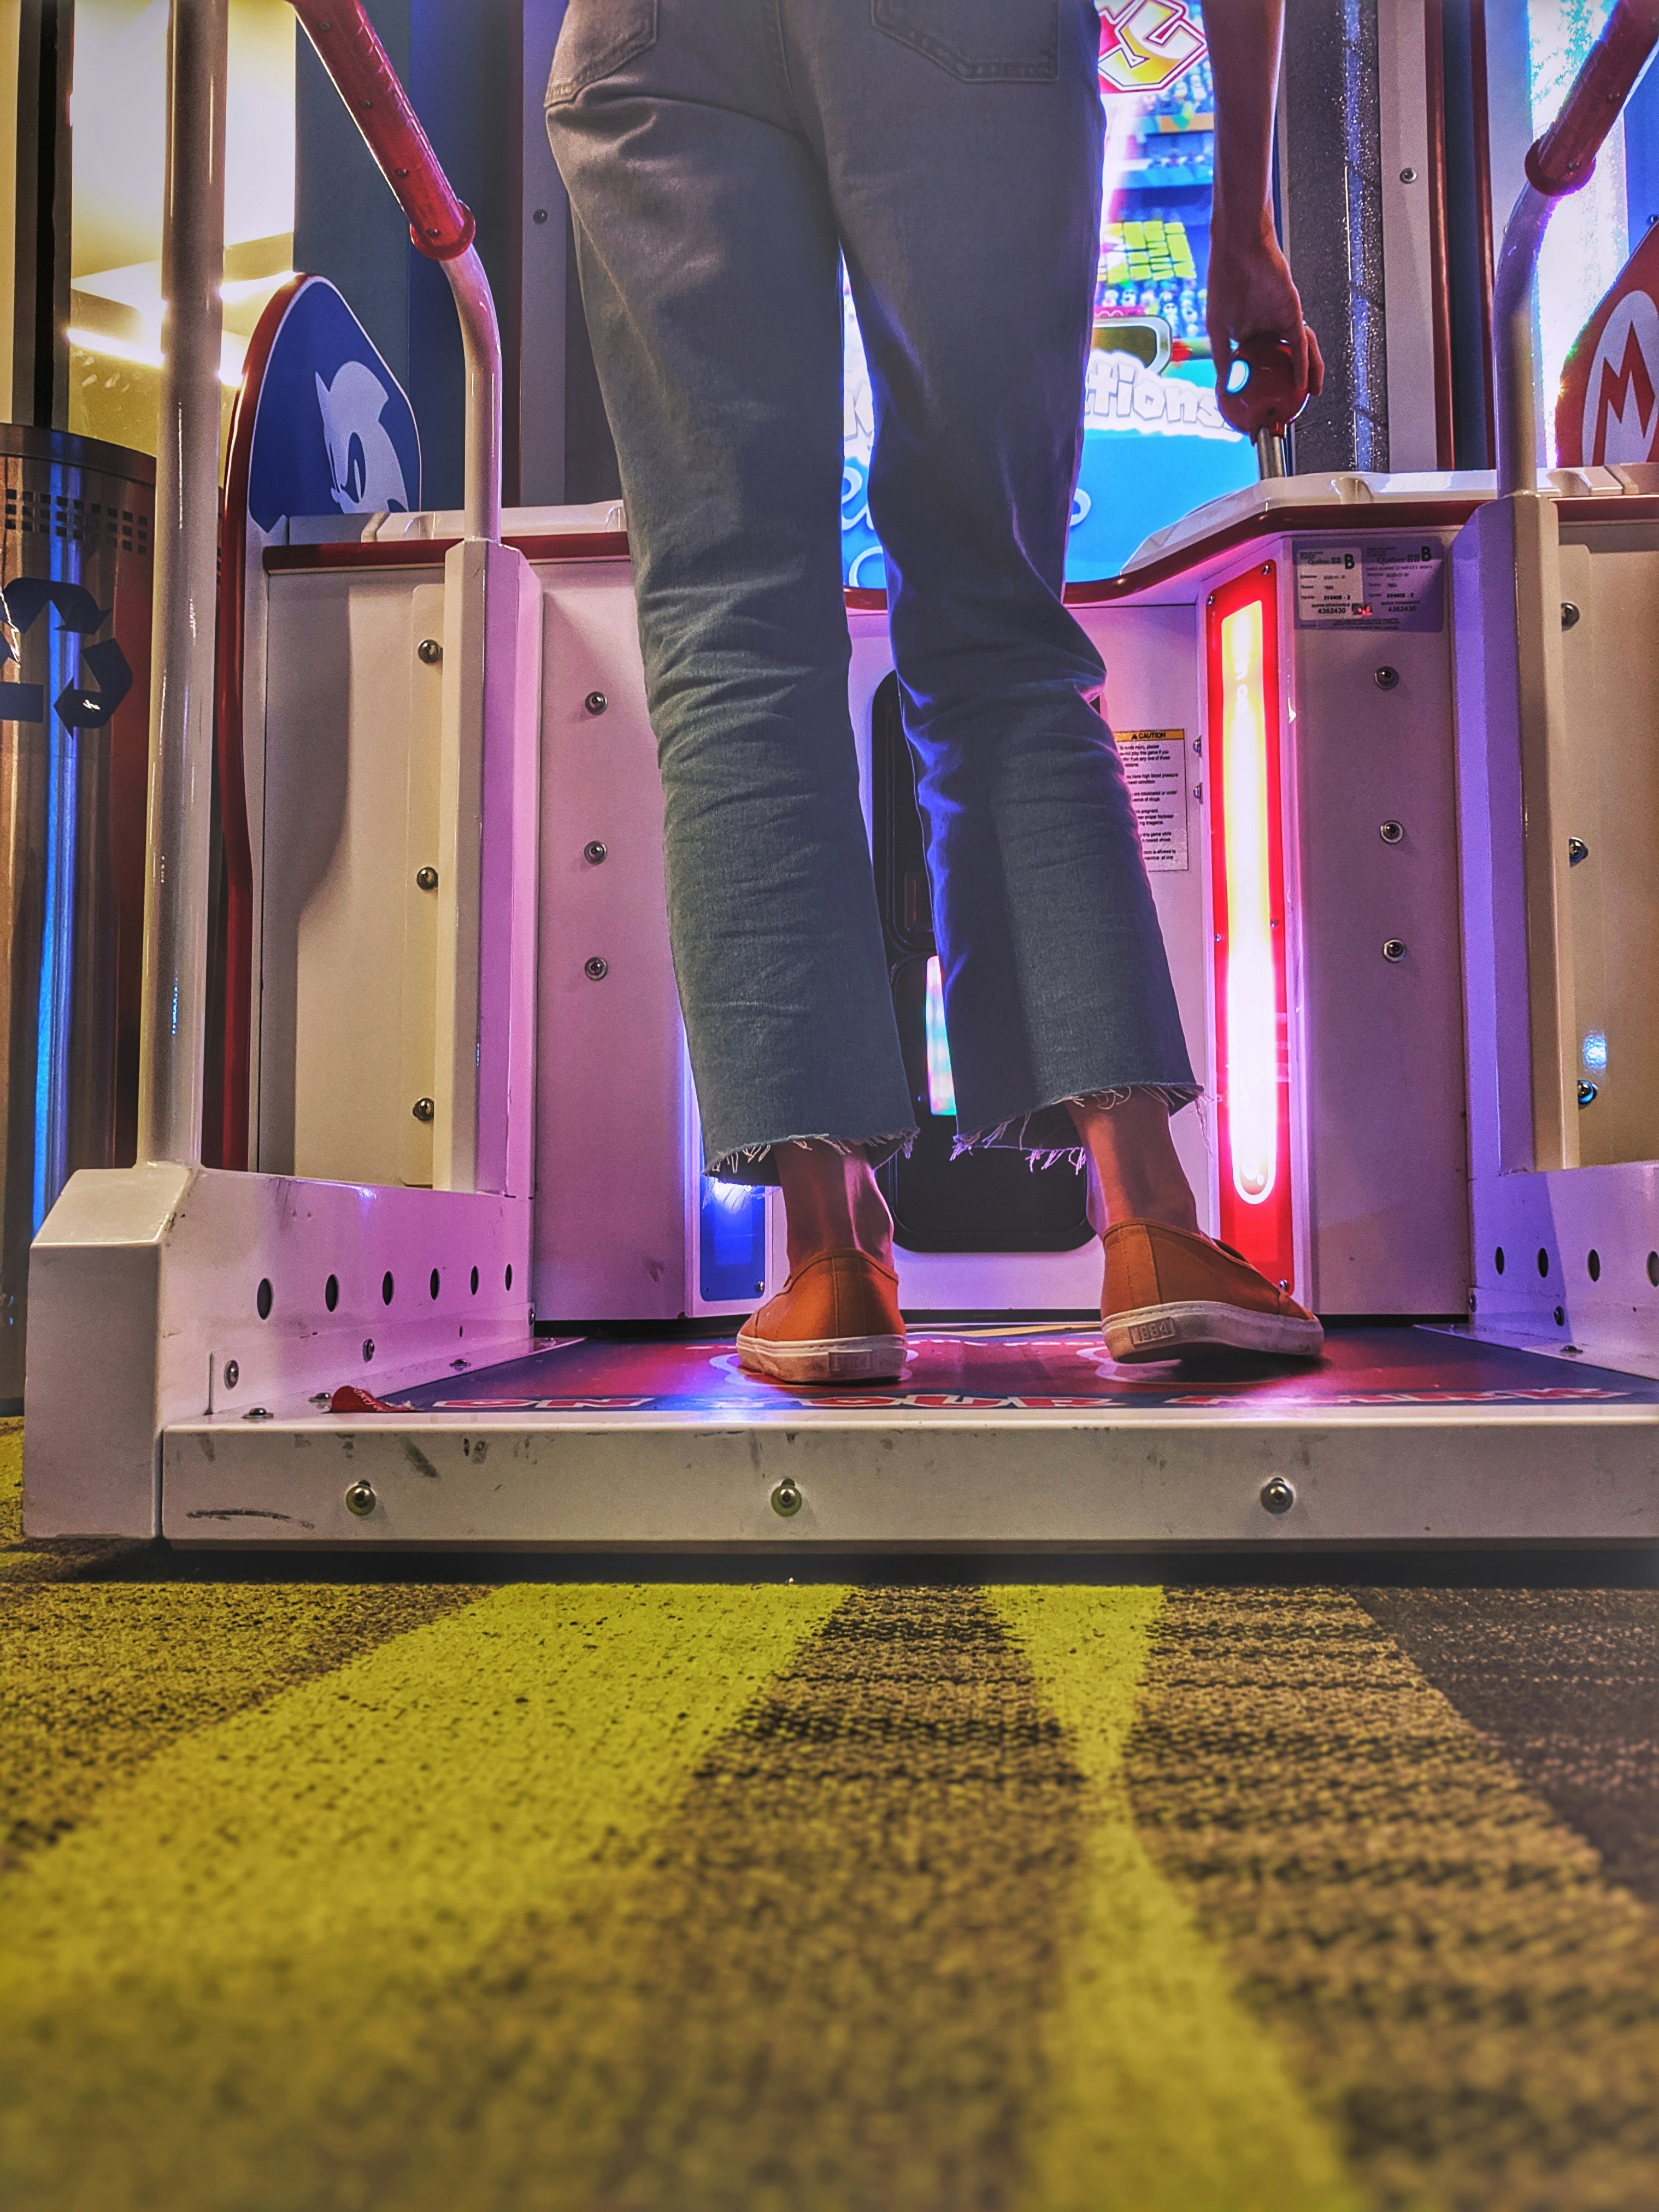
(1587, 1094)
(1395, 949)
(1409, 176)
(257, 1413)
(361, 1499)
(786, 1500)
(427, 878)
(1577, 850)
(1471, 1301)
(368, 1349)
(596, 702)
(1560, 1316)
(540, 215)
(423, 1110)
(594, 852)
(1392, 832)
(1387, 678)
(430, 650)
(596, 969)
(233, 1374)
(1277, 1496)
(1569, 614)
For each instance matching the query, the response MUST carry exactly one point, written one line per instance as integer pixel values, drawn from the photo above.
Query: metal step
(1023, 1437)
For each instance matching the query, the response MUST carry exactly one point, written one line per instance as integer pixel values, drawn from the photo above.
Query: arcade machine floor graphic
(1054, 1368)
(1027, 1437)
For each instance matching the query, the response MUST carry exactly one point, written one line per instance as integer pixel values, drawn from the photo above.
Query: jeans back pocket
(981, 41)
(597, 38)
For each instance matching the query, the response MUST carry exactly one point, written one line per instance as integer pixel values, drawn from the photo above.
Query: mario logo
(1145, 45)
(1608, 409)
(1621, 400)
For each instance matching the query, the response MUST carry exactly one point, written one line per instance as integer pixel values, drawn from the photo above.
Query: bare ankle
(1137, 1175)
(832, 1203)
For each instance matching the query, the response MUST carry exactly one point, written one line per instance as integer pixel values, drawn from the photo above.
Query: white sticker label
(1155, 769)
(1330, 584)
(1373, 586)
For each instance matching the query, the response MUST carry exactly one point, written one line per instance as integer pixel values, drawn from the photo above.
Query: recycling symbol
(104, 666)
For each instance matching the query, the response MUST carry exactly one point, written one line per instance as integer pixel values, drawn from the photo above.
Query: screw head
(786, 1500)
(1395, 949)
(430, 650)
(1560, 1316)
(423, 1110)
(368, 1349)
(1569, 614)
(595, 853)
(1409, 176)
(427, 878)
(1387, 679)
(257, 1413)
(233, 1374)
(1577, 850)
(1587, 1094)
(596, 702)
(596, 969)
(361, 1499)
(539, 215)
(1277, 1496)
(1392, 832)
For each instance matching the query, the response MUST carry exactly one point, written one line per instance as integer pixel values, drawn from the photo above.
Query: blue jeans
(721, 157)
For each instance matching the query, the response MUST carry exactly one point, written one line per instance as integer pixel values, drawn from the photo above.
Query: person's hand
(1251, 295)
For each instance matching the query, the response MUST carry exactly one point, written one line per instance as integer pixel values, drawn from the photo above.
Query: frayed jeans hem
(1046, 1135)
(754, 1163)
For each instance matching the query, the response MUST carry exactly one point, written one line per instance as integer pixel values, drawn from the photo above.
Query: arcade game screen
(1154, 444)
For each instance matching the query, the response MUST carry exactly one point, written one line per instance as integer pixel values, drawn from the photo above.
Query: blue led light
(1593, 1051)
(941, 1083)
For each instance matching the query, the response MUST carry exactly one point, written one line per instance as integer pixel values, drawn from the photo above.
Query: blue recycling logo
(106, 674)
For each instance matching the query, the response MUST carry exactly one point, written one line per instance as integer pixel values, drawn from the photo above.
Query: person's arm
(1250, 291)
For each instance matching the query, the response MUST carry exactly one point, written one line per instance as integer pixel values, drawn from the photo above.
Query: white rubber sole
(823, 1359)
(1189, 1326)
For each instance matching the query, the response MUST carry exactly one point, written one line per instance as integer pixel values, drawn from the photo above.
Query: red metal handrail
(440, 224)
(1562, 160)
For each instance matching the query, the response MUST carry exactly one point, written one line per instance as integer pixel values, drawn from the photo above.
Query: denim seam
(783, 58)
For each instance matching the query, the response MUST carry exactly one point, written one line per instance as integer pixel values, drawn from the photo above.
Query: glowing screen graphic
(1252, 1070)
(941, 1083)
(1154, 444)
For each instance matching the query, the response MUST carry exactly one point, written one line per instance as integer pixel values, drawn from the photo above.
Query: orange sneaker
(1169, 1295)
(836, 1320)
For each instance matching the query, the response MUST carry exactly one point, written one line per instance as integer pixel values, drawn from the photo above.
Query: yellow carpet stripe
(197, 1988)
(35, 1563)
(1164, 2093)
(96, 1677)
(1474, 2006)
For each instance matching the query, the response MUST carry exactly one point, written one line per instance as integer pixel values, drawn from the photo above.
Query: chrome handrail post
(186, 590)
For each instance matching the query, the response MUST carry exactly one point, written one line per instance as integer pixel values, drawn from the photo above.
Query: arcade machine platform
(1027, 1438)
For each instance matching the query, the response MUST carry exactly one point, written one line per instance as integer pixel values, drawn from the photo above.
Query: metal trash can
(75, 573)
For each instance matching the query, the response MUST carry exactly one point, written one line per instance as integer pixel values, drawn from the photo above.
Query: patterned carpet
(338, 1886)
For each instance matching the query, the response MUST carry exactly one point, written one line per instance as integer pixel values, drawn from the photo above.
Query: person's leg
(962, 144)
(708, 262)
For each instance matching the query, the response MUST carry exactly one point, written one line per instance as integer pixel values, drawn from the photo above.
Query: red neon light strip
(1247, 852)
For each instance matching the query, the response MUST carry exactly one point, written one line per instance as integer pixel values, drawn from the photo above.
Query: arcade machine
(1381, 732)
